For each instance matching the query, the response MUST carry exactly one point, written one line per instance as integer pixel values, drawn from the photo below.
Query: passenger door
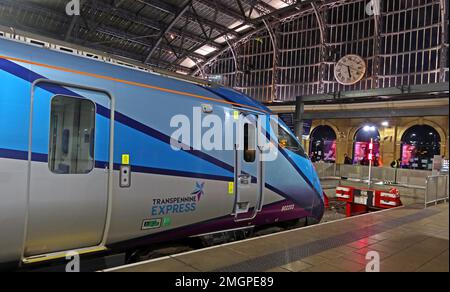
(68, 188)
(249, 171)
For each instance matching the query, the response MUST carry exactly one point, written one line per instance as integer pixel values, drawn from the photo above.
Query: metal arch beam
(238, 72)
(225, 10)
(278, 15)
(292, 12)
(320, 21)
(168, 28)
(225, 49)
(275, 80)
(149, 23)
(168, 8)
(134, 38)
(323, 28)
(377, 48)
(444, 39)
(261, 3)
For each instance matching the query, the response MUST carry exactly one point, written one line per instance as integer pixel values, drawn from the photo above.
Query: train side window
(249, 143)
(72, 130)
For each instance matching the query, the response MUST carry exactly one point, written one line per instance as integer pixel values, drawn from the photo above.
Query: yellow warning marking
(231, 188)
(60, 255)
(236, 115)
(125, 159)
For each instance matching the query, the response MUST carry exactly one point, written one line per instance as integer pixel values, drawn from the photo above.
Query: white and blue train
(86, 162)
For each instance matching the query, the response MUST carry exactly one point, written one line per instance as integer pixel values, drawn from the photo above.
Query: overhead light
(215, 78)
(385, 124)
(368, 128)
(205, 50)
(188, 62)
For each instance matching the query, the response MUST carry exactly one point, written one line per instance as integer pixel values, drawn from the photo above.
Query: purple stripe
(268, 215)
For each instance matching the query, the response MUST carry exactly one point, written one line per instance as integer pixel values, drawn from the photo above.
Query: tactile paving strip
(287, 256)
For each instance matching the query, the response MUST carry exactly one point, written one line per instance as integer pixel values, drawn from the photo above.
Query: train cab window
(249, 143)
(72, 130)
(287, 141)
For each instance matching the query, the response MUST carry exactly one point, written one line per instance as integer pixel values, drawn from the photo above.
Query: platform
(406, 238)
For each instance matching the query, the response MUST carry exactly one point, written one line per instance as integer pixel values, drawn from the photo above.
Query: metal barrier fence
(326, 170)
(436, 189)
(399, 176)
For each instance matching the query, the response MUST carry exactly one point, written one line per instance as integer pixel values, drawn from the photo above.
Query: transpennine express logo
(179, 204)
(199, 190)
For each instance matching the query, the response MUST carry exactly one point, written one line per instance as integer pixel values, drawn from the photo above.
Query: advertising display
(362, 151)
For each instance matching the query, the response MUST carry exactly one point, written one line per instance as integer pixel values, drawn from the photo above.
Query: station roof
(171, 34)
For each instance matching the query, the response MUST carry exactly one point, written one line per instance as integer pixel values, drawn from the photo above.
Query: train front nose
(317, 211)
(318, 208)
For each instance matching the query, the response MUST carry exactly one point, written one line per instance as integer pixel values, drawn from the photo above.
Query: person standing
(347, 160)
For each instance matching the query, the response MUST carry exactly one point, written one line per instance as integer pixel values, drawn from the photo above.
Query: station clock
(350, 69)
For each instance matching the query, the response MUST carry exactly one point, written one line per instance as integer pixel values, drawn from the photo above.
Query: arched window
(419, 145)
(361, 149)
(323, 144)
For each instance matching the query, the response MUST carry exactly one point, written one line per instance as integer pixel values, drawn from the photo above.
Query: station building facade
(391, 136)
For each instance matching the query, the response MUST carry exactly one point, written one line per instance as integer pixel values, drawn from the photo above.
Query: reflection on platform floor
(406, 239)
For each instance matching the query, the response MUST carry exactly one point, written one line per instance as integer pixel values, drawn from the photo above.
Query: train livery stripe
(39, 157)
(31, 76)
(297, 168)
(219, 223)
(128, 82)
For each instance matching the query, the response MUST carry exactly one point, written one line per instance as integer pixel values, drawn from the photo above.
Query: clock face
(350, 70)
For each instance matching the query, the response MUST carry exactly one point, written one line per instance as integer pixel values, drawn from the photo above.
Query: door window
(249, 143)
(72, 135)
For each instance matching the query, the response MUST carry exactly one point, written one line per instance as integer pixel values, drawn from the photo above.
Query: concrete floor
(406, 239)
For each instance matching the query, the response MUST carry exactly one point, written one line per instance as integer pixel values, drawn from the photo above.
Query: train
(88, 161)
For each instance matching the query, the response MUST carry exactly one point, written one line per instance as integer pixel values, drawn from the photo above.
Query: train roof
(100, 65)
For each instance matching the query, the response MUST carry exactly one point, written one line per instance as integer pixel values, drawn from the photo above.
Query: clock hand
(349, 72)
(354, 68)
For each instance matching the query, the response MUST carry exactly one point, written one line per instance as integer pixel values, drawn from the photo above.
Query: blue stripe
(38, 157)
(300, 172)
(31, 76)
(167, 139)
(236, 97)
(209, 89)
(13, 154)
(23, 155)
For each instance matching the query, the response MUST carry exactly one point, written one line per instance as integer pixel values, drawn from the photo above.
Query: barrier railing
(326, 170)
(397, 176)
(436, 189)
